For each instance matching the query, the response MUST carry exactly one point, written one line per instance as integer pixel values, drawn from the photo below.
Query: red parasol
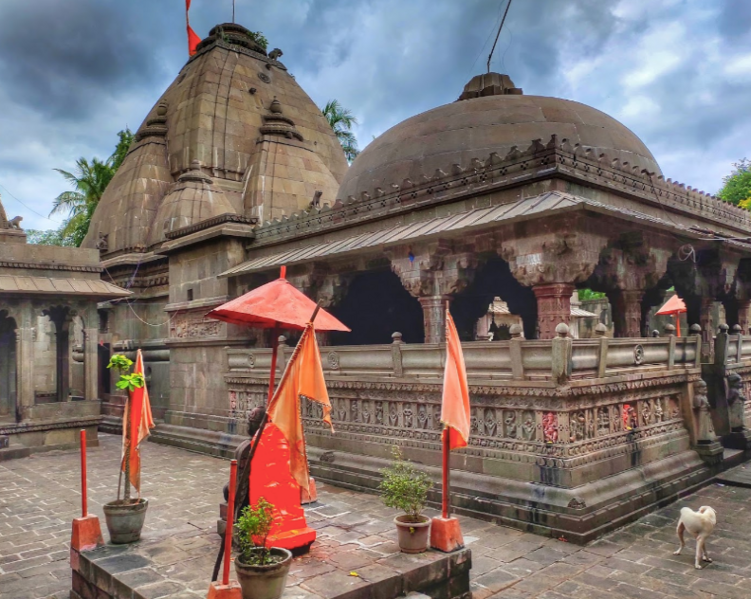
(275, 305)
(673, 307)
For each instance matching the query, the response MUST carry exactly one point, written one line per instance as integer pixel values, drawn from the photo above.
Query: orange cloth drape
(193, 39)
(302, 377)
(139, 420)
(455, 403)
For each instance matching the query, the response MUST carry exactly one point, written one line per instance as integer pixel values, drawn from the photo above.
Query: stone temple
(235, 173)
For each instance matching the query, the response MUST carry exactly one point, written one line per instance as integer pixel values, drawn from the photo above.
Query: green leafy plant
(259, 38)
(128, 380)
(588, 294)
(404, 487)
(253, 528)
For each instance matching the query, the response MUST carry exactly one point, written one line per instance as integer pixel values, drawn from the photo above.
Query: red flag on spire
(193, 39)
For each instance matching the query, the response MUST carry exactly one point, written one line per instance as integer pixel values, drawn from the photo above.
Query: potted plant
(406, 488)
(261, 571)
(125, 517)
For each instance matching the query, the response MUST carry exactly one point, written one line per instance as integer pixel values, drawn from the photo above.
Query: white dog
(700, 524)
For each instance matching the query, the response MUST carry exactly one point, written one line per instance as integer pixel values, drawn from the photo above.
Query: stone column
(626, 307)
(433, 273)
(553, 307)
(24, 369)
(90, 363)
(743, 321)
(708, 328)
(434, 317)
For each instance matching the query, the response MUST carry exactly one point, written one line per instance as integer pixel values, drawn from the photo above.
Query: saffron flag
(138, 420)
(303, 377)
(455, 413)
(193, 39)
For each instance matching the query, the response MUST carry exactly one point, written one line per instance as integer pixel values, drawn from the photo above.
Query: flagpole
(446, 435)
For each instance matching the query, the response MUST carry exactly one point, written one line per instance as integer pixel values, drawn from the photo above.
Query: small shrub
(404, 487)
(128, 381)
(253, 528)
(259, 39)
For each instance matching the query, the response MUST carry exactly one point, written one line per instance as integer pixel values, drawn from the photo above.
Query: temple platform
(354, 557)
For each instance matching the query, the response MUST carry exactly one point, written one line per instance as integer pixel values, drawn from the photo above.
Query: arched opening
(377, 305)
(60, 318)
(494, 279)
(7, 367)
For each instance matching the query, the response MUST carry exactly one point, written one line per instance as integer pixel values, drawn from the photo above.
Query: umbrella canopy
(674, 305)
(275, 304)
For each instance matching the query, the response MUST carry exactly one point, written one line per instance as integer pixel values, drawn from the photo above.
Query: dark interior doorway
(7, 366)
(103, 353)
(493, 279)
(375, 306)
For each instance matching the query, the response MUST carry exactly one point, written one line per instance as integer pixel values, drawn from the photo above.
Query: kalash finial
(276, 106)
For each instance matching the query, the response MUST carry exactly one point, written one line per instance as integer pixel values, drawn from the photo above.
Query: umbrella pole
(678, 323)
(274, 352)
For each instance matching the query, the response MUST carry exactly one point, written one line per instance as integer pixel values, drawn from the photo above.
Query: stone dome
(491, 115)
(221, 110)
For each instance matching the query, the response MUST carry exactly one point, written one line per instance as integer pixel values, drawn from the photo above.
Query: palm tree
(341, 121)
(89, 181)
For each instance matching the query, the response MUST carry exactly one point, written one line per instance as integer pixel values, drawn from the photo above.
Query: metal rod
(446, 452)
(230, 522)
(84, 496)
(498, 34)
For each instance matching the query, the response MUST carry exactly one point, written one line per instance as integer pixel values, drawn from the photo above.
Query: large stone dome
(491, 115)
(255, 132)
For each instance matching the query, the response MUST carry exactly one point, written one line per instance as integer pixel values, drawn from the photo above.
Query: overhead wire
(29, 208)
(490, 56)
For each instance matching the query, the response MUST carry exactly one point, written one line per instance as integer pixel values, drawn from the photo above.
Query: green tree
(48, 237)
(736, 187)
(341, 121)
(89, 180)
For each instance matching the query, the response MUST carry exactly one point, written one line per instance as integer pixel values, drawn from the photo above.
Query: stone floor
(39, 496)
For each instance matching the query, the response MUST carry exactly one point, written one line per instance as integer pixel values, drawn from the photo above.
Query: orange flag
(303, 377)
(455, 403)
(139, 420)
(193, 39)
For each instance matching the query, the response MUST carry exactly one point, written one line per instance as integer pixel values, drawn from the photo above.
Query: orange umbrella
(275, 305)
(673, 307)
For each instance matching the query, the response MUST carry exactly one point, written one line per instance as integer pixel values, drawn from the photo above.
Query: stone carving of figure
(342, 411)
(646, 412)
(658, 410)
(393, 416)
(422, 417)
(490, 422)
(578, 427)
(603, 421)
(550, 427)
(705, 434)
(408, 413)
(379, 412)
(736, 403)
(510, 422)
(528, 426)
(355, 411)
(366, 412)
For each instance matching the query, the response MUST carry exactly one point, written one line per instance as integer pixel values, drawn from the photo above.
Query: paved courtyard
(39, 496)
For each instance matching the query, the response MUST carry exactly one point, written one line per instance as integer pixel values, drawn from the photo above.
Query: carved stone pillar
(25, 365)
(626, 307)
(90, 361)
(708, 328)
(434, 317)
(433, 273)
(553, 307)
(743, 308)
(552, 262)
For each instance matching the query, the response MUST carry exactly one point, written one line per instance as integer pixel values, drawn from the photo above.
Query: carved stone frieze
(190, 324)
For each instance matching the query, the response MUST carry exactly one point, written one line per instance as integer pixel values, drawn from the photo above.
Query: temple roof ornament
(275, 123)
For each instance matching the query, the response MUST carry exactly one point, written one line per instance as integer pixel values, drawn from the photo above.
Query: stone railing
(556, 360)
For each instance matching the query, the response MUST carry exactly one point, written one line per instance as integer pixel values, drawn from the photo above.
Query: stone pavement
(39, 497)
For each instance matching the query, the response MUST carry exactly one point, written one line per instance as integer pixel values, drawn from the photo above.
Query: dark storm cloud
(62, 57)
(676, 72)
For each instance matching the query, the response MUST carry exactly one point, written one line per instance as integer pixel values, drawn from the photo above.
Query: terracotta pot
(412, 536)
(125, 520)
(264, 582)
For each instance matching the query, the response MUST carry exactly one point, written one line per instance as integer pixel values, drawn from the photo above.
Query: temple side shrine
(235, 173)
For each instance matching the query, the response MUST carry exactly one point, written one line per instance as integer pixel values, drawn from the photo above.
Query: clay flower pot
(125, 520)
(412, 536)
(264, 582)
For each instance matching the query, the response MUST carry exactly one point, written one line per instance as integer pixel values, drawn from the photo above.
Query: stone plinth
(355, 557)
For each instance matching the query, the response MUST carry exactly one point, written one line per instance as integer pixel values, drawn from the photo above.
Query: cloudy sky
(677, 72)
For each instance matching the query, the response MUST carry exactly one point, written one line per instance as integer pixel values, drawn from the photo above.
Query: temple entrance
(494, 279)
(7, 367)
(60, 318)
(377, 305)
(103, 351)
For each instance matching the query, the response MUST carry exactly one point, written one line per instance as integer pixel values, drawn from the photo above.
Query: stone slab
(740, 476)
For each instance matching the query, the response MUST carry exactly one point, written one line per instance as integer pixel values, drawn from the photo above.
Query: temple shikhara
(500, 204)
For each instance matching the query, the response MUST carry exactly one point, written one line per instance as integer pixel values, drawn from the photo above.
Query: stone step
(732, 458)
(14, 450)
(740, 476)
